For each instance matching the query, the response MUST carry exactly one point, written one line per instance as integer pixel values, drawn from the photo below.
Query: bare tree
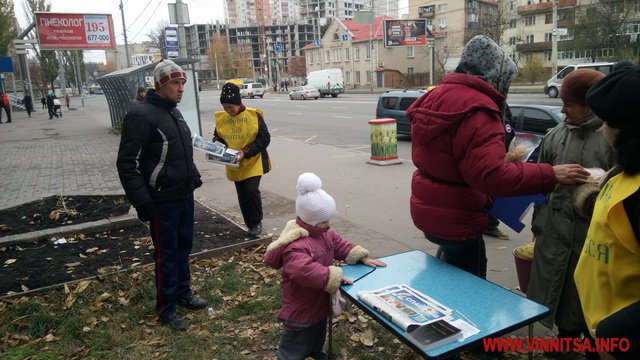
(241, 60)
(602, 25)
(7, 26)
(220, 57)
(298, 66)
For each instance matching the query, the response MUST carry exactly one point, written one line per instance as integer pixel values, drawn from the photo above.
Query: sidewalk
(76, 155)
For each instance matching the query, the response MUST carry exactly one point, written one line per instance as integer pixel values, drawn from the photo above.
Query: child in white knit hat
(306, 250)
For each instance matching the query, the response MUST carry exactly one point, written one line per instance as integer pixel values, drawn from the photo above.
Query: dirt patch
(43, 262)
(55, 211)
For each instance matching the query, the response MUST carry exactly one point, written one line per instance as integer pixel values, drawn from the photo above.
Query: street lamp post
(431, 40)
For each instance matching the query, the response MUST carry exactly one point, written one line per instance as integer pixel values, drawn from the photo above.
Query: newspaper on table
(406, 307)
(216, 151)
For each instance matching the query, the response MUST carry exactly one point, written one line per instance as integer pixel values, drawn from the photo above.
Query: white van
(252, 90)
(327, 81)
(553, 85)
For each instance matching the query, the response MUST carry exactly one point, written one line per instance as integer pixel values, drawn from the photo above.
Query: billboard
(404, 33)
(62, 31)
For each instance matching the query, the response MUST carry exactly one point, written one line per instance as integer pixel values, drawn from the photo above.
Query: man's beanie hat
(141, 89)
(313, 205)
(230, 94)
(167, 70)
(616, 98)
(577, 83)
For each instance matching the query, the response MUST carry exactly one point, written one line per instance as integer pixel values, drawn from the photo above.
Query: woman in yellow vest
(608, 272)
(243, 129)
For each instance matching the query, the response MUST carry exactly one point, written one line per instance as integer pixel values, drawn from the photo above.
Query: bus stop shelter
(120, 89)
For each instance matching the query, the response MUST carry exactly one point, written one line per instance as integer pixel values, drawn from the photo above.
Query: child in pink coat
(306, 250)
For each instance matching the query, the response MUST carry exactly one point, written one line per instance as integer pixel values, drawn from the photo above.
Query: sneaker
(192, 302)
(255, 230)
(174, 323)
(496, 233)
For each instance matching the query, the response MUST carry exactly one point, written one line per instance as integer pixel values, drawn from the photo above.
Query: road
(340, 122)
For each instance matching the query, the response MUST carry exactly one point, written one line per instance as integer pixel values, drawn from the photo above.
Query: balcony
(533, 47)
(427, 12)
(544, 7)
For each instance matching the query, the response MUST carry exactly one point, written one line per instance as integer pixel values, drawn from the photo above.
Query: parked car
(327, 81)
(535, 120)
(304, 93)
(393, 103)
(552, 88)
(252, 90)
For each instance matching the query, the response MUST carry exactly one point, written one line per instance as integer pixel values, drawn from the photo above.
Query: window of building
(547, 55)
(311, 57)
(512, 40)
(548, 37)
(529, 20)
(442, 7)
(443, 22)
(358, 77)
(513, 23)
(356, 54)
(548, 18)
(336, 55)
(565, 55)
(512, 5)
(529, 39)
(410, 70)
(367, 55)
(347, 54)
(368, 76)
(410, 53)
(319, 56)
(327, 56)
(347, 77)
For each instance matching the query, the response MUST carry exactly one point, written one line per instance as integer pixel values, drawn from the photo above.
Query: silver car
(304, 93)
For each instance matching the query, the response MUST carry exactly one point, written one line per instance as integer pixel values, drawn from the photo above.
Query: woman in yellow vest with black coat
(243, 129)
(607, 275)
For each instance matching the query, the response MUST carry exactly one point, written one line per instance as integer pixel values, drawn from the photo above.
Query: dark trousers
(52, 112)
(469, 255)
(302, 343)
(250, 201)
(172, 234)
(7, 109)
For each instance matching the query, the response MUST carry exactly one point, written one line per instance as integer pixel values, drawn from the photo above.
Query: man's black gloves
(197, 182)
(146, 211)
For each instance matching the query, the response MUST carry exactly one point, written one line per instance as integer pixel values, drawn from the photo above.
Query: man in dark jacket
(156, 168)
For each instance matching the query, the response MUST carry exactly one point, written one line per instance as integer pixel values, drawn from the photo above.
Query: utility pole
(182, 50)
(124, 33)
(554, 39)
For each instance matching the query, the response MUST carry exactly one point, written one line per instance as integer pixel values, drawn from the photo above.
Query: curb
(112, 223)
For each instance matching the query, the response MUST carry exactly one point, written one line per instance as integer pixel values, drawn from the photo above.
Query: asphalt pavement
(76, 155)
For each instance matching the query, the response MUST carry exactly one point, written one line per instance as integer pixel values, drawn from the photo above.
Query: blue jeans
(301, 343)
(172, 234)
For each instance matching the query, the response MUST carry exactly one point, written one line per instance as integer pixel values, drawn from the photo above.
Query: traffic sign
(22, 46)
(316, 43)
(172, 53)
(278, 47)
(345, 37)
(171, 37)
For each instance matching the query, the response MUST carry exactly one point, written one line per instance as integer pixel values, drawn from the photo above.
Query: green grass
(243, 292)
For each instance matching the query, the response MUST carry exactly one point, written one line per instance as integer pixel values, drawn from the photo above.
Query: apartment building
(359, 51)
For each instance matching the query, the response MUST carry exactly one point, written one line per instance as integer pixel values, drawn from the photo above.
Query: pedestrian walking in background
(559, 231)
(243, 129)
(140, 94)
(67, 100)
(459, 151)
(608, 272)
(6, 106)
(27, 101)
(51, 106)
(306, 251)
(43, 101)
(156, 168)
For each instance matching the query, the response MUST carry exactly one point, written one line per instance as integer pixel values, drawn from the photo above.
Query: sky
(141, 16)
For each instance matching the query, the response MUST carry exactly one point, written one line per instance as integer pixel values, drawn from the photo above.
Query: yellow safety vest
(239, 131)
(608, 272)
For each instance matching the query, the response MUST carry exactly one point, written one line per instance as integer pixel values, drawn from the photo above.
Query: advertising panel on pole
(404, 32)
(6, 64)
(62, 31)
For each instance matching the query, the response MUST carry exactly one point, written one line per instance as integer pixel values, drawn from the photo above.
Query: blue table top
(489, 307)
